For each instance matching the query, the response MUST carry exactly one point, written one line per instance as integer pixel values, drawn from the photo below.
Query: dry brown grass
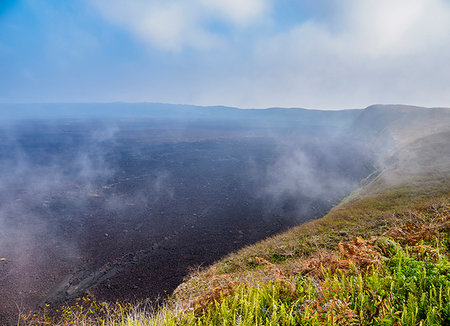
(415, 230)
(357, 252)
(221, 286)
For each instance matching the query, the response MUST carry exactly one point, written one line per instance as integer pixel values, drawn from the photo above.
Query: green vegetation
(401, 277)
(412, 285)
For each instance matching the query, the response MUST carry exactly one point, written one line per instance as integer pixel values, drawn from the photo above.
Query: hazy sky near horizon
(244, 53)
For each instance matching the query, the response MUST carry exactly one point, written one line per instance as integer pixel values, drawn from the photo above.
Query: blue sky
(245, 53)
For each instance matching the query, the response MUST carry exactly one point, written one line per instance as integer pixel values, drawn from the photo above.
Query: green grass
(405, 290)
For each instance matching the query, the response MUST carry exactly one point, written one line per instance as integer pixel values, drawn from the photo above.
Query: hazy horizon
(299, 107)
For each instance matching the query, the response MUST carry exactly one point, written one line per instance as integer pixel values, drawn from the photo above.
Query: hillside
(379, 257)
(401, 123)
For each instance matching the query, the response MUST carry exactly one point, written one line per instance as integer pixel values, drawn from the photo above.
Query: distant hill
(394, 125)
(411, 143)
(183, 113)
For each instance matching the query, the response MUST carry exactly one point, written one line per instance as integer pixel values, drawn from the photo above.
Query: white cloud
(173, 24)
(398, 27)
(240, 12)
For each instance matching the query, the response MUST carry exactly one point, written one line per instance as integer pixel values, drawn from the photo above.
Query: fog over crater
(123, 204)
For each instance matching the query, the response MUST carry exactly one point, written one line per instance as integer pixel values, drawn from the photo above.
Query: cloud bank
(245, 53)
(359, 53)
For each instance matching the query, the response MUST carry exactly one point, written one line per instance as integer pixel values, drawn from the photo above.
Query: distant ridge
(180, 112)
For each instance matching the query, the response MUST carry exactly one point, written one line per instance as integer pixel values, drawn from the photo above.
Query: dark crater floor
(123, 210)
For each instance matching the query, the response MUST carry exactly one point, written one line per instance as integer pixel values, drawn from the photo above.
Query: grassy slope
(364, 217)
(369, 211)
